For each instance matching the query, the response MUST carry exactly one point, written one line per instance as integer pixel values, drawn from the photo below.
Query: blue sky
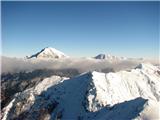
(81, 28)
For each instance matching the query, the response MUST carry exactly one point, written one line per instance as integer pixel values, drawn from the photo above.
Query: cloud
(14, 65)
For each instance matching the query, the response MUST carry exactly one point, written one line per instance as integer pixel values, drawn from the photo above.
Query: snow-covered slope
(113, 58)
(109, 57)
(48, 52)
(124, 95)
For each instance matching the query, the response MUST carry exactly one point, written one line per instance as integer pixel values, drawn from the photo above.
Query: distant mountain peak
(48, 52)
(109, 57)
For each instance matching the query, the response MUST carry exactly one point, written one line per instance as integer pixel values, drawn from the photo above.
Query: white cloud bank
(14, 65)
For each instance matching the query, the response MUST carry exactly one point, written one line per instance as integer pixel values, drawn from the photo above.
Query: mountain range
(68, 94)
(124, 95)
(52, 53)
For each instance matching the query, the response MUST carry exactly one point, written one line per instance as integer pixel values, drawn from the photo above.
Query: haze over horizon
(80, 29)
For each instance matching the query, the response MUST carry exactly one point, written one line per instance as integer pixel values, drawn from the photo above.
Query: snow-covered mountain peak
(149, 68)
(109, 57)
(49, 52)
(146, 66)
(100, 56)
(112, 88)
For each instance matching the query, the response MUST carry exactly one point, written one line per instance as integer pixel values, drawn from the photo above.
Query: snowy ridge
(49, 52)
(133, 94)
(117, 87)
(112, 58)
(109, 57)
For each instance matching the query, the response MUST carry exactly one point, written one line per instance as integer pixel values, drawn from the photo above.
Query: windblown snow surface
(123, 95)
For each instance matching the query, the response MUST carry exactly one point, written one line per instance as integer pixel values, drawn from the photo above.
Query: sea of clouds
(15, 65)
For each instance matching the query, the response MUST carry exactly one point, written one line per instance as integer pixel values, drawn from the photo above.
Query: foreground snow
(126, 95)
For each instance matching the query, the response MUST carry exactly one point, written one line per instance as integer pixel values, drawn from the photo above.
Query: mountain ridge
(92, 95)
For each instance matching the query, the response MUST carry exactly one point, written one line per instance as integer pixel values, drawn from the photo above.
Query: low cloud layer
(15, 65)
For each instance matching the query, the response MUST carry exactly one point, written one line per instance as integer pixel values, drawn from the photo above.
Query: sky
(80, 29)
